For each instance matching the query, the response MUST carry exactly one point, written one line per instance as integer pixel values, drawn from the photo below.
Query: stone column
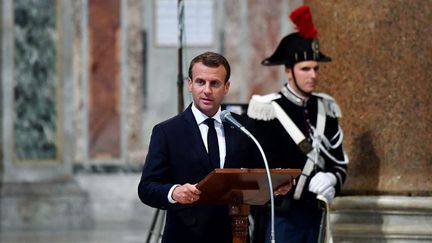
(380, 76)
(38, 189)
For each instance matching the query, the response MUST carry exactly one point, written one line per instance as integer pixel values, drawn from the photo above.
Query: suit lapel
(229, 141)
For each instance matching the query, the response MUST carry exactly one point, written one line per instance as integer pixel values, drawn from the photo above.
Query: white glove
(329, 194)
(321, 182)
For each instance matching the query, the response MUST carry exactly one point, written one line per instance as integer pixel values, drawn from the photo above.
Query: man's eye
(200, 82)
(216, 84)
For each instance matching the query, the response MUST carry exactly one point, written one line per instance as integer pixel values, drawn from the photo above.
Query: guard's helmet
(299, 46)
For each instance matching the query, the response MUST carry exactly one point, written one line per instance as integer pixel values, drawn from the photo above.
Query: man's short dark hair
(211, 59)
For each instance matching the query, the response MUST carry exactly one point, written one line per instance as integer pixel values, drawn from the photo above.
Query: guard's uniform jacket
(280, 149)
(282, 152)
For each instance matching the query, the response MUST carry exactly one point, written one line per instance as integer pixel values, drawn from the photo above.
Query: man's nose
(207, 88)
(314, 73)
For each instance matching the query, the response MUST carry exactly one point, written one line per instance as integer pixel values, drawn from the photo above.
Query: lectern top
(242, 186)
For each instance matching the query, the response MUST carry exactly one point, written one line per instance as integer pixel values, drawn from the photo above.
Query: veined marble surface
(35, 79)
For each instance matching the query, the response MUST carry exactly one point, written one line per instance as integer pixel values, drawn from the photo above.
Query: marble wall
(104, 79)
(37, 188)
(382, 52)
(36, 79)
(108, 91)
(136, 147)
(252, 30)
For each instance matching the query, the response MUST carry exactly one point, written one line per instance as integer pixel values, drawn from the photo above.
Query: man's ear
(288, 70)
(190, 84)
(227, 86)
(288, 73)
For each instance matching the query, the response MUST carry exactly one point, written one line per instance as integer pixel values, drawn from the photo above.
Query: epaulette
(260, 107)
(331, 107)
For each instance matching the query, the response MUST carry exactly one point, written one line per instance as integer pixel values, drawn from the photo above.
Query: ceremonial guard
(298, 128)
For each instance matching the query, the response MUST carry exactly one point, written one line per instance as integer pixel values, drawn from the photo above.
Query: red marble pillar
(104, 79)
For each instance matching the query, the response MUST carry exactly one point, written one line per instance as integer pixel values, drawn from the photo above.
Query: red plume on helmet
(302, 45)
(302, 18)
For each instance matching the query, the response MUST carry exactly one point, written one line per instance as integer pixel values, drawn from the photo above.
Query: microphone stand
(272, 232)
(180, 78)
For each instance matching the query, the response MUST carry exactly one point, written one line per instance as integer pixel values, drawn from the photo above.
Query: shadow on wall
(364, 169)
(353, 216)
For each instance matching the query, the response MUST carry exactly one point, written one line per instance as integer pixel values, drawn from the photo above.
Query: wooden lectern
(240, 188)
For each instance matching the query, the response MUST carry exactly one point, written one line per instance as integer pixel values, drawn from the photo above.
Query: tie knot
(209, 122)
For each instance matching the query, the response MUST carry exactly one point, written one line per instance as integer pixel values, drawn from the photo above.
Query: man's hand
(186, 194)
(284, 189)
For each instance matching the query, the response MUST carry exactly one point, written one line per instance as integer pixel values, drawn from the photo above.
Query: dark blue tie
(212, 143)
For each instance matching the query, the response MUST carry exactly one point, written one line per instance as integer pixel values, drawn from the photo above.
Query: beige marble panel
(262, 35)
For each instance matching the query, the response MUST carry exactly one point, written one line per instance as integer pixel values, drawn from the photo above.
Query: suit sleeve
(155, 183)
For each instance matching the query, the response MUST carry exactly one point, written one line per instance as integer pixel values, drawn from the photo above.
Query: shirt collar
(201, 117)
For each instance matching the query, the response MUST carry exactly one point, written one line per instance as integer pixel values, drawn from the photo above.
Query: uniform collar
(292, 96)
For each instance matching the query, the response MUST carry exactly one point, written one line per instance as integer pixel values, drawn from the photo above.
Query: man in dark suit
(178, 158)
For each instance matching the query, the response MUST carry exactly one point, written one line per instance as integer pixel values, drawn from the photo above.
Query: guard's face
(208, 88)
(306, 74)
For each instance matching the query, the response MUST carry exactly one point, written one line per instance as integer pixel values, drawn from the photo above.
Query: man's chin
(206, 108)
(310, 90)
(208, 105)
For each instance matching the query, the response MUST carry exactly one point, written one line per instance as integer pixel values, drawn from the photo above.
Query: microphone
(226, 116)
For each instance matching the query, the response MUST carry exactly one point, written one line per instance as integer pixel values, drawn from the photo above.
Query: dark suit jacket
(177, 155)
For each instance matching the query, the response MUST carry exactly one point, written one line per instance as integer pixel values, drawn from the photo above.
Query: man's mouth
(207, 100)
